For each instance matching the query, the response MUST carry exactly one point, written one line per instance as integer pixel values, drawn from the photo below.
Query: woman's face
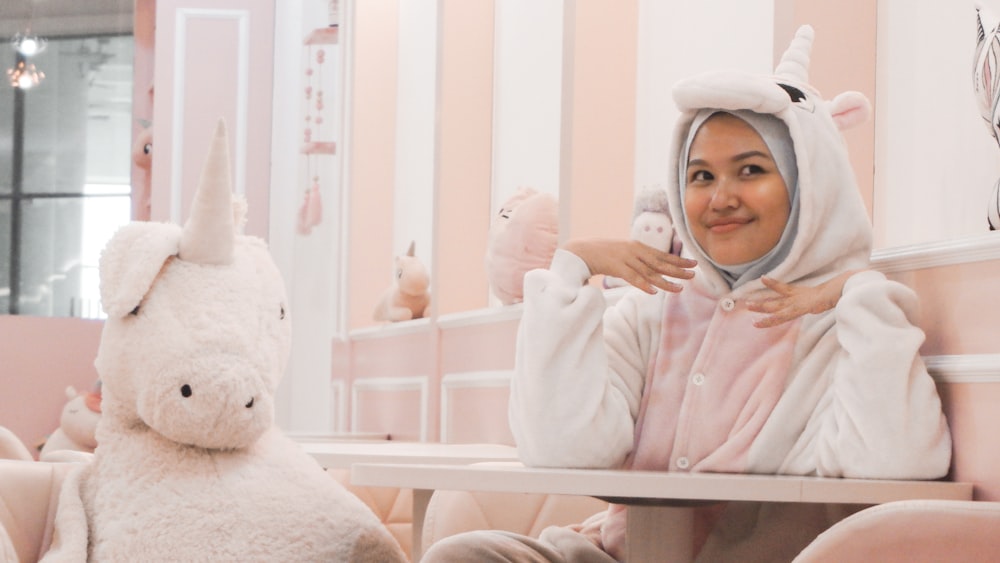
(735, 201)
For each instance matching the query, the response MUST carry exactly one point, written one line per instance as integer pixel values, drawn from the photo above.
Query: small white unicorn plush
(77, 426)
(189, 466)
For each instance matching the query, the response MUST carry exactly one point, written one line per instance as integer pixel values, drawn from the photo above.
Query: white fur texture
(189, 466)
(77, 427)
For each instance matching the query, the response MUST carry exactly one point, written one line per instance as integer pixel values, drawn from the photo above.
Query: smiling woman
(65, 138)
(738, 192)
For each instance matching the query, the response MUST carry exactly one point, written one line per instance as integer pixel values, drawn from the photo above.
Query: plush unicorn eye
(282, 314)
(185, 390)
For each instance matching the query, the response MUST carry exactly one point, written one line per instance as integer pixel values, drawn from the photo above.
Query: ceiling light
(24, 75)
(28, 45)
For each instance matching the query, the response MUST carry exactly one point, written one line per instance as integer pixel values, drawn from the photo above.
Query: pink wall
(843, 58)
(603, 137)
(958, 315)
(971, 409)
(215, 59)
(40, 357)
(958, 310)
(372, 156)
(465, 147)
(390, 370)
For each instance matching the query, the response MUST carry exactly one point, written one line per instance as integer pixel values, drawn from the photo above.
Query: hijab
(775, 134)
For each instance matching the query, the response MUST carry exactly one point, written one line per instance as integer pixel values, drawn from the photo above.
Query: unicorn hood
(834, 232)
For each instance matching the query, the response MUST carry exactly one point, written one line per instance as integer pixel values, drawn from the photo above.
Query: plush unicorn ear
(413, 245)
(849, 109)
(131, 261)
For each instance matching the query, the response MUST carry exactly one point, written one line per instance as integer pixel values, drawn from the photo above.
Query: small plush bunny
(189, 465)
(408, 296)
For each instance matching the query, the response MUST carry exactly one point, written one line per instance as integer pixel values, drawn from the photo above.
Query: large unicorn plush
(189, 465)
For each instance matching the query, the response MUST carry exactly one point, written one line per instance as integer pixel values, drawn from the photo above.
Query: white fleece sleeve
(885, 419)
(578, 376)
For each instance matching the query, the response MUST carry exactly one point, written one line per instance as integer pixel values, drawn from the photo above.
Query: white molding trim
(505, 313)
(965, 368)
(386, 330)
(339, 402)
(497, 379)
(978, 248)
(391, 384)
(481, 316)
(237, 133)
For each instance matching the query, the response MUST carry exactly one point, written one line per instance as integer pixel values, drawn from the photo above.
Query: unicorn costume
(685, 382)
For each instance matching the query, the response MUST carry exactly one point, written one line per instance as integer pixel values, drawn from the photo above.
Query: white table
(340, 437)
(659, 524)
(345, 453)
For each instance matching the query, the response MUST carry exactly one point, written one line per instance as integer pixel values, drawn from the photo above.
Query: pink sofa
(453, 512)
(29, 492)
(912, 531)
(11, 447)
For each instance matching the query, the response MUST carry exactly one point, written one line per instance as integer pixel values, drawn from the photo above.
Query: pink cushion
(394, 507)
(453, 512)
(911, 531)
(29, 494)
(11, 447)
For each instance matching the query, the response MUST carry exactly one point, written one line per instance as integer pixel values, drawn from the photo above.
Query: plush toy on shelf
(986, 87)
(409, 295)
(142, 170)
(523, 236)
(77, 424)
(651, 225)
(190, 466)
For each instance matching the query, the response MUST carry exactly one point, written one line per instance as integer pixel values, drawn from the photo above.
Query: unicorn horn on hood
(794, 62)
(208, 236)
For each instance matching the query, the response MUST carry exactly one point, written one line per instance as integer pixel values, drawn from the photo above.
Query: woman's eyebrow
(751, 154)
(737, 158)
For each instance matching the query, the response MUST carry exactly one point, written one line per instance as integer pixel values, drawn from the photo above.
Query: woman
(690, 378)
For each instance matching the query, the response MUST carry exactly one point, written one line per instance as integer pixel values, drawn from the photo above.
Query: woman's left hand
(794, 301)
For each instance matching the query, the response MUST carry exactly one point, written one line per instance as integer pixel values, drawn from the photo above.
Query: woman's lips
(727, 225)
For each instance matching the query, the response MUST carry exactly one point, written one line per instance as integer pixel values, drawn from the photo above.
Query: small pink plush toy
(524, 236)
(408, 297)
(77, 424)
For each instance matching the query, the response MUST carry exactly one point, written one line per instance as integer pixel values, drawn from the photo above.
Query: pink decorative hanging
(316, 132)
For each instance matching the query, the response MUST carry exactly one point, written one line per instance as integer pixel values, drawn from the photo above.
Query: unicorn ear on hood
(849, 109)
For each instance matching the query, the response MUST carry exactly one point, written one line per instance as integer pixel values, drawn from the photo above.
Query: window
(65, 166)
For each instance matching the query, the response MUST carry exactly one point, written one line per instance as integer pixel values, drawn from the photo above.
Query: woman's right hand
(638, 264)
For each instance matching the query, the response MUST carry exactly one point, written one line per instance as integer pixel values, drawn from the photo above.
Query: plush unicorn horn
(208, 234)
